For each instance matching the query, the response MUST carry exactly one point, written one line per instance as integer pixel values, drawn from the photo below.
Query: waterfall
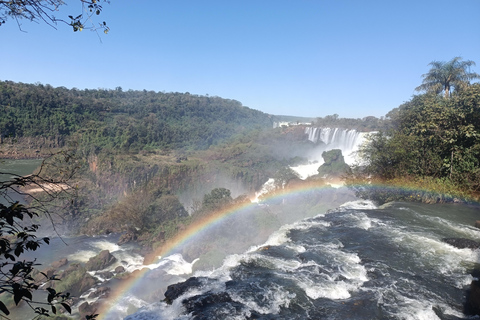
(347, 140)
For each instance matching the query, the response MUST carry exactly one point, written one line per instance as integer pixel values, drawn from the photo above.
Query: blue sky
(298, 57)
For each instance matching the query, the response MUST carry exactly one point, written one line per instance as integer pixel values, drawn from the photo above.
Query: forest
(119, 121)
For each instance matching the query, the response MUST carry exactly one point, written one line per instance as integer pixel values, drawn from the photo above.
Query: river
(357, 261)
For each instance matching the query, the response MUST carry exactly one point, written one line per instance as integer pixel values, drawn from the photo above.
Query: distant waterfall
(347, 140)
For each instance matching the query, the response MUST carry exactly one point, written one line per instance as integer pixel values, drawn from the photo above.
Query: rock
(472, 306)
(119, 269)
(105, 274)
(461, 243)
(50, 271)
(59, 263)
(477, 224)
(177, 289)
(129, 236)
(100, 261)
(102, 291)
(88, 309)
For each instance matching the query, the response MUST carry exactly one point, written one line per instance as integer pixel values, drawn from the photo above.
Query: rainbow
(190, 233)
(204, 224)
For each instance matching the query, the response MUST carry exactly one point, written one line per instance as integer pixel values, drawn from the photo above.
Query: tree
(17, 233)
(443, 76)
(216, 199)
(43, 11)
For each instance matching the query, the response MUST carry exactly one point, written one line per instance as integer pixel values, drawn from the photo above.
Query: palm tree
(445, 75)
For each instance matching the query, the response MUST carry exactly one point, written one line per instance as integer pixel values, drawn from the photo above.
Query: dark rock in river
(462, 243)
(101, 291)
(100, 261)
(177, 289)
(119, 269)
(472, 306)
(105, 274)
(477, 224)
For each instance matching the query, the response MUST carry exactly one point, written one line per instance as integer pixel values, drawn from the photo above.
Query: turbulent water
(355, 262)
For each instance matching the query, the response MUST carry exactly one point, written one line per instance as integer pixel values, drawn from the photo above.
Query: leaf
(17, 297)
(4, 309)
(27, 294)
(67, 307)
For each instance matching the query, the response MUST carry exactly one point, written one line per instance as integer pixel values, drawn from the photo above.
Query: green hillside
(121, 120)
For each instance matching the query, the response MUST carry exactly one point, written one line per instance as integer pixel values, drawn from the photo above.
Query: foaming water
(358, 261)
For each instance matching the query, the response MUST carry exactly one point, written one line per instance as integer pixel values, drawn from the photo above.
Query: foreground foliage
(18, 233)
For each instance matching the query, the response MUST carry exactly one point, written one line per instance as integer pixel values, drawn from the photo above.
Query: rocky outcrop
(462, 243)
(88, 309)
(59, 263)
(100, 261)
(177, 289)
(103, 292)
(472, 305)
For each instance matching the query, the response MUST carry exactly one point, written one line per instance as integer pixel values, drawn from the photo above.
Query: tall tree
(43, 11)
(443, 76)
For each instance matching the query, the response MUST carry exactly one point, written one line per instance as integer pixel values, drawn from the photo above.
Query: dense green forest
(121, 121)
(433, 145)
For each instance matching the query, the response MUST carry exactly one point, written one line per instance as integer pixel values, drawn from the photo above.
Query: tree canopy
(445, 76)
(42, 11)
(434, 140)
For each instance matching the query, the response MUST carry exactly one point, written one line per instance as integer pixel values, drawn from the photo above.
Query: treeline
(434, 144)
(126, 121)
(365, 124)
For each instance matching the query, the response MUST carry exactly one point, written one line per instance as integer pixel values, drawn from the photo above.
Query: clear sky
(286, 57)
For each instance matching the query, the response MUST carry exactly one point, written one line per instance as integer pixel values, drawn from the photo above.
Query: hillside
(42, 116)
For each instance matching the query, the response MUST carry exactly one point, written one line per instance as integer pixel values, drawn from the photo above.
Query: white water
(347, 140)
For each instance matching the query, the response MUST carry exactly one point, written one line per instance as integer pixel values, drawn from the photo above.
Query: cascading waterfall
(347, 140)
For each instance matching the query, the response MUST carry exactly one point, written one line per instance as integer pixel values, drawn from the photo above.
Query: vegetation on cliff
(434, 144)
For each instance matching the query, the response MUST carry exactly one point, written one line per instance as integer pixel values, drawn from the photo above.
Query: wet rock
(101, 291)
(100, 261)
(119, 269)
(105, 274)
(177, 289)
(477, 224)
(472, 306)
(462, 243)
(59, 263)
(88, 309)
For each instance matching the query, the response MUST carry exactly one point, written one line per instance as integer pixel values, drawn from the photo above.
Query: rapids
(358, 261)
